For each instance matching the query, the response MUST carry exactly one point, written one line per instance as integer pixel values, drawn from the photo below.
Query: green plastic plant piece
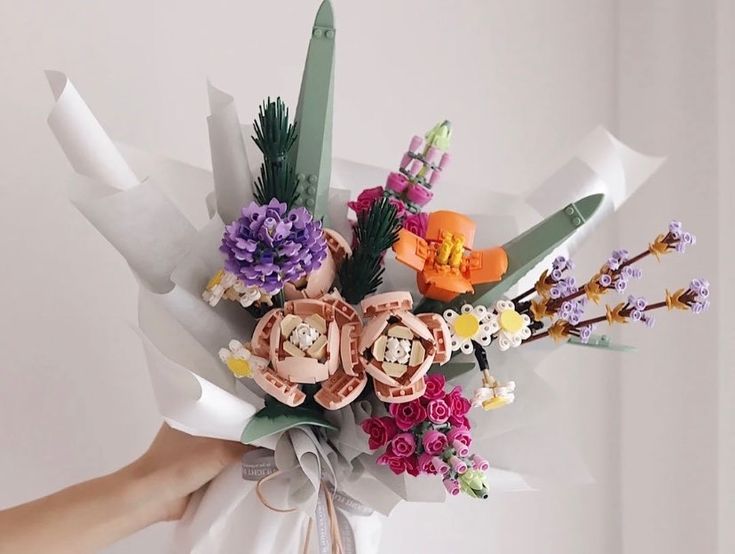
(276, 418)
(439, 135)
(312, 154)
(275, 136)
(452, 370)
(601, 341)
(375, 232)
(473, 482)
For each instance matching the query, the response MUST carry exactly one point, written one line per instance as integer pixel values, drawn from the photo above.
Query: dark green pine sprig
(375, 232)
(275, 137)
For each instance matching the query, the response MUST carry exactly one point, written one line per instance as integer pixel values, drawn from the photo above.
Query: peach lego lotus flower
(396, 348)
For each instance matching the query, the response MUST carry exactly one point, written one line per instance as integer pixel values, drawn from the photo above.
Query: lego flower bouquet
(349, 327)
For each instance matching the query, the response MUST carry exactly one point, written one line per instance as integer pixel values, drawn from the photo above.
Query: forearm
(80, 519)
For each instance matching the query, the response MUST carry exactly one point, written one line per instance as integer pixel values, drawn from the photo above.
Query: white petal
(467, 347)
(502, 305)
(450, 315)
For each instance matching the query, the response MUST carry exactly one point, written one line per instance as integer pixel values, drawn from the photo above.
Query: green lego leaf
(275, 137)
(452, 370)
(601, 341)
(312, 154)
(276, 418)
(530, 248)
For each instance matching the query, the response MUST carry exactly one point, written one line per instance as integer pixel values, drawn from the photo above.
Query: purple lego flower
(679, 239)
(621, 284)
(699, 288)
(648, 319)
(270, 245)
(560, 263)
(585, 333)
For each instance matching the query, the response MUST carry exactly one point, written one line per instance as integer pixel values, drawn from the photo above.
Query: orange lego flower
(447, 265)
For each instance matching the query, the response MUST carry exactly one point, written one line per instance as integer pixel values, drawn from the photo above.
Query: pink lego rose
(460, 420)
(396, 464)
(403, 444)
(380, 431)
(459, 406)
(434, 387)
(426, 464)
(408, 414)
(438, 411)
(365, 199)
(417, 224)
(461, 434)
(400, 207)
(434, 442)
(412, 466)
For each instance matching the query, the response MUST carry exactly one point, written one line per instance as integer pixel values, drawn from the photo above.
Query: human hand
(90, 515)
(176, 465)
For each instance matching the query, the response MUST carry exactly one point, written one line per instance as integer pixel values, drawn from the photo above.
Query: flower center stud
(466, 326)
(510, 321)
(239, 367)
(397, 350)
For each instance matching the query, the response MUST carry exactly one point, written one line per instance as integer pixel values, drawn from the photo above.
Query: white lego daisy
(472, 324)
(512, 328)
(496, 395)
(240, 360)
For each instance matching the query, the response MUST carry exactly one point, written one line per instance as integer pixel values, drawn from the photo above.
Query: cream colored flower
(512, 328)
(249, 295)
(490, 397)
(240, 360)
(226, 285)
(473, 323)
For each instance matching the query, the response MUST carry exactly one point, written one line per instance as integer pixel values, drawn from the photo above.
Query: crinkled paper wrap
(166, 218)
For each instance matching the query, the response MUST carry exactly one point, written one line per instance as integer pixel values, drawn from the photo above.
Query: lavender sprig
(694, 298)
(270, 245)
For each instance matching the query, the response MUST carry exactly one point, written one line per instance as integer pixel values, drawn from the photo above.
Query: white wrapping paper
(172, 250)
